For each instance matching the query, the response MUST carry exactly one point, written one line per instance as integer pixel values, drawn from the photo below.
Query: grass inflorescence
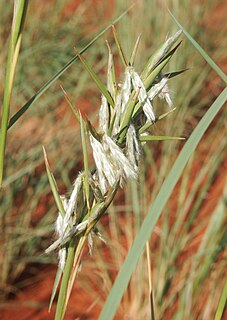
(187, 243)
(116, 146)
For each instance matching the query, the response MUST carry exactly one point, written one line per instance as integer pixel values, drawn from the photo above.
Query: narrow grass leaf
(222, 303)
(210, 242)
(53, 186)
(111, 78)
(70, 104)
(155, 210)
(200, 50)
(158, 68)
(98, 82)
(133, 56)
(59, 315)
(75, 268)
(39, 93)
(152, 76)
(158, 138)
(20, 9)
(85, 157)
(160, 54)
(164, 115)
(174, 74)
(92, 130)
(148, 124)
(119, 48)
(55, 286)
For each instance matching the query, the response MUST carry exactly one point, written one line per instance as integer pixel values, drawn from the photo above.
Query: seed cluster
(126, 114)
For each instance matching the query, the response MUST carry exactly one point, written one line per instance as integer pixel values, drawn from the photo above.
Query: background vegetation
(187, 248)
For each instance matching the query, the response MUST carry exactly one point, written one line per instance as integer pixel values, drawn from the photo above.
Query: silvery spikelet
(132, 147)
(126, 88)
(163, 50)
(63, 224)
(118, 113)
(104, 115)
(73, 199)
(111, 163)
(103, 166)
(162, 90)
(143, 97)
(90, 242)
(122, 99)
(165, 94)
(120, 163)
(157, 88)
(60, 229)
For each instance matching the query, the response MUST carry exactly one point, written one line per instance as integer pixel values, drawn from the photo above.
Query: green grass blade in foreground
(221, 304)
(20, 10)
(38, 94)
(155, 210)
(200, 50)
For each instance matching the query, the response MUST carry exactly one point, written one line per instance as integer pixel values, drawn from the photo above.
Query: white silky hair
(60, 229)
(103, 115)
(111, 163)
(142, 96)
(132, 147)
(63, 223)
(126, 88)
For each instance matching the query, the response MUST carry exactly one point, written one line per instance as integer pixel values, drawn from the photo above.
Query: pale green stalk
(59, 314)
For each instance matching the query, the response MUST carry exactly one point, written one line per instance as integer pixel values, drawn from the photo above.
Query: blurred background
(187, 247)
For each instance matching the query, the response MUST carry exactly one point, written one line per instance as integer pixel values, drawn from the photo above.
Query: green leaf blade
(200, 50)
(85, 159)
(145, 138)
(155, 210)
(57, 75)
(96, 79)
(53, 186)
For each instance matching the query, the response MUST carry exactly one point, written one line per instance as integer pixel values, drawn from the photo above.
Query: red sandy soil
(81, 305)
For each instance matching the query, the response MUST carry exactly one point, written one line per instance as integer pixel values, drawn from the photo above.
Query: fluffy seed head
(104, 116)
(165, 94)
(143, 97)
(157, 88)
(73, 199)
(111, 163)
(126, 88)
(132, 147)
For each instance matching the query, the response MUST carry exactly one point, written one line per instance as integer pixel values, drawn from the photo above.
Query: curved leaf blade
(200, 50)
(155, 210)
(38, 94)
